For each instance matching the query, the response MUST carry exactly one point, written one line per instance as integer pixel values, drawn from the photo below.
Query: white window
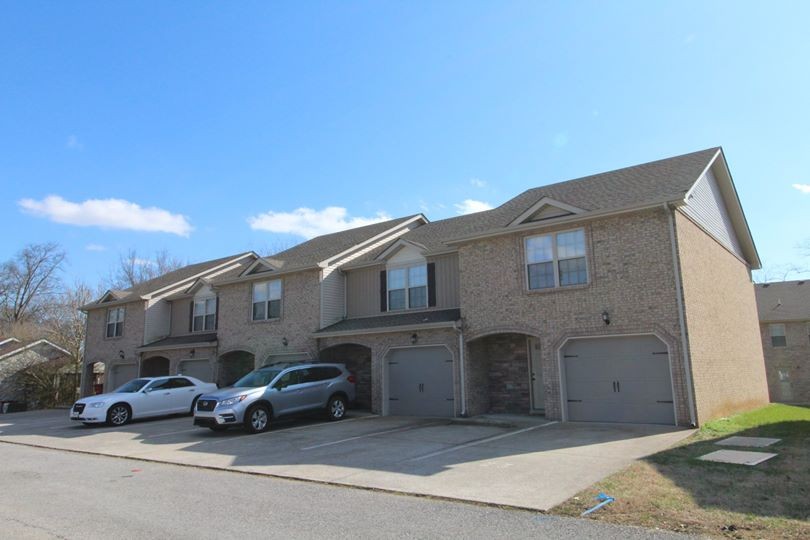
(115, 322)
(205, 314)
(784, 375)
(407, 287)
(778, 335)
(556, 260)
(267, 300)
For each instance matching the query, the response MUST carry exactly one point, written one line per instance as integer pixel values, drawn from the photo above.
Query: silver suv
(277, 390)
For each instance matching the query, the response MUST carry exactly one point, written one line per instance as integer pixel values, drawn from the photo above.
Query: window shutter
(383, 291)
(431, 284)
(191, 316)
(216, 315)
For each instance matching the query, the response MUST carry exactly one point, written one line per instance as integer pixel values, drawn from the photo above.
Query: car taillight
(351, 378)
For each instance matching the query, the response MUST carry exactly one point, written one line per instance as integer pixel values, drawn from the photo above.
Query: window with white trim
(407, 287)
(205, 315)
(556, 260)
(778, 338)
(267, 300)
(784, 375)
(115, 322)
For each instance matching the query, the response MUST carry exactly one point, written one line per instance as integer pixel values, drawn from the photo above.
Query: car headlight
(231, 401)
(98, 404)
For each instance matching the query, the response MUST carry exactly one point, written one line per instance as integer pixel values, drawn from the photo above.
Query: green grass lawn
(673, 490)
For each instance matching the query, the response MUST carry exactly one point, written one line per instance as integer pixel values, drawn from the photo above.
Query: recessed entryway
(617, 379)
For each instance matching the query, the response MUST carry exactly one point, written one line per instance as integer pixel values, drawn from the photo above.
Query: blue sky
(196, 127)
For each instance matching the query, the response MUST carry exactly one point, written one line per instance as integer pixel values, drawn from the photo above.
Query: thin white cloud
(804, 188)
(95, 247)
(310, 223)
(477, 182)
(470, 206)
(143, 262)
(74, 143)
(107, 214)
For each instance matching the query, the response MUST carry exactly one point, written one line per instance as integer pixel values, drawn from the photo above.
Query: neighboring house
(18, 355)
(620, 297)
(784, 315)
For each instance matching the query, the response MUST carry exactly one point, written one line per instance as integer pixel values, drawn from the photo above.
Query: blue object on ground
(604, 499)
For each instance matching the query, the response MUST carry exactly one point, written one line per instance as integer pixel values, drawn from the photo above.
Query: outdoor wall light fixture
(414, 338)
(284, 341)
(121, 355)
(191, 353)
(606, 317)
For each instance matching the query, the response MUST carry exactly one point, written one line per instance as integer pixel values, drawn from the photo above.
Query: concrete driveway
(522, 462)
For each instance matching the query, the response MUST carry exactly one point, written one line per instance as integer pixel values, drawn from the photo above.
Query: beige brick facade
(725, 349)
(788, 367)
(630, 276)
(99, 348)
(300, 317)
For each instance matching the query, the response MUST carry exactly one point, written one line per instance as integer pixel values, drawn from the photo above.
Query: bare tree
(133, 270)
(29, 281)
(64, 323)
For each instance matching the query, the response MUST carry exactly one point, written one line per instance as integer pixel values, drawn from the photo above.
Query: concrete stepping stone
(754, 442)
(737, 457)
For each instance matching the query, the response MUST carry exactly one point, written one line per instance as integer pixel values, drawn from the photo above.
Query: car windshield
(134, 385)
(255, 379)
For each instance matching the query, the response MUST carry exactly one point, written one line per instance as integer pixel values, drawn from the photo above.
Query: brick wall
(793, 360)
(631, 277)
(300, 317)
(723, 327)
(99, 348)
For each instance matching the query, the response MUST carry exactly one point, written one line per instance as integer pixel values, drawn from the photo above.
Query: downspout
(461, 368)
(681, 315)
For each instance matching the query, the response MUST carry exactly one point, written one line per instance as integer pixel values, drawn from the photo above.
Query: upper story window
(778, 335)
(204, 316)
(408, 287)
(556, 260)
(115, 322)
(267, 300)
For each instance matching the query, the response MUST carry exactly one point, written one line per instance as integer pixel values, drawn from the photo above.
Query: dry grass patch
(672, 490)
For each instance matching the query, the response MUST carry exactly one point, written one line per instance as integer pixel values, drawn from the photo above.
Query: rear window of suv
(322, 374)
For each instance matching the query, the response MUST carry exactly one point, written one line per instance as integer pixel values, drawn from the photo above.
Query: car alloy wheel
(337, 408)
(119, 415)
(258, 419)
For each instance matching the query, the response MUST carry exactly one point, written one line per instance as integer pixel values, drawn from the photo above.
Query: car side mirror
(146, 390)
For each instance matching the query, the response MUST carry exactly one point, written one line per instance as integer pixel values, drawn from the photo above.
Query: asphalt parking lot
(523, 462)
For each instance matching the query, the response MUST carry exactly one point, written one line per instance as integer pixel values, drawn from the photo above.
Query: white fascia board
(175, 285)
(545, 201)
(386, 329)
(327, 262)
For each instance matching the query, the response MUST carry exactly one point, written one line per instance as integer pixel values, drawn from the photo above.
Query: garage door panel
(199, 369)
(420, 382)
(123, 373)
(621, 379)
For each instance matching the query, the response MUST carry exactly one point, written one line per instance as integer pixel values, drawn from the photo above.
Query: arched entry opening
(509, 366)
(93, 379)
(358, 360)
(234, 365)
(156, 366)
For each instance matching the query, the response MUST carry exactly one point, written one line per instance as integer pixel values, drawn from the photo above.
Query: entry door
(536, 368)
(620, 379)
(420, 382)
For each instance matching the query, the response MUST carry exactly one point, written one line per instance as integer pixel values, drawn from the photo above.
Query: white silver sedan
(141, 398)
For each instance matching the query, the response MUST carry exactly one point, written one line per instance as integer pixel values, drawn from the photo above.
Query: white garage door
(420, 382)
(123, 373)
(199, 369)
(620, 379)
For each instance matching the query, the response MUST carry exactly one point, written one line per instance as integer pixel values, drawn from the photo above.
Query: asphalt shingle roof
(656, 181)
(784, 301)
(184, 340)
(323, 247)
(392, 321)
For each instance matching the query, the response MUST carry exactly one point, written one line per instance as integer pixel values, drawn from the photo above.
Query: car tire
(119, 414)
(257, 419)
(217, 428)
(336, 408)
(194, 405)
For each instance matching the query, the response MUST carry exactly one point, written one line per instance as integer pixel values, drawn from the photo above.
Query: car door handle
(167, 393)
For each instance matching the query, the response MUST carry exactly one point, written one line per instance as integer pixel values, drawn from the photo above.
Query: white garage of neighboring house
(617, 379)
(419, 381)
(121, 373)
